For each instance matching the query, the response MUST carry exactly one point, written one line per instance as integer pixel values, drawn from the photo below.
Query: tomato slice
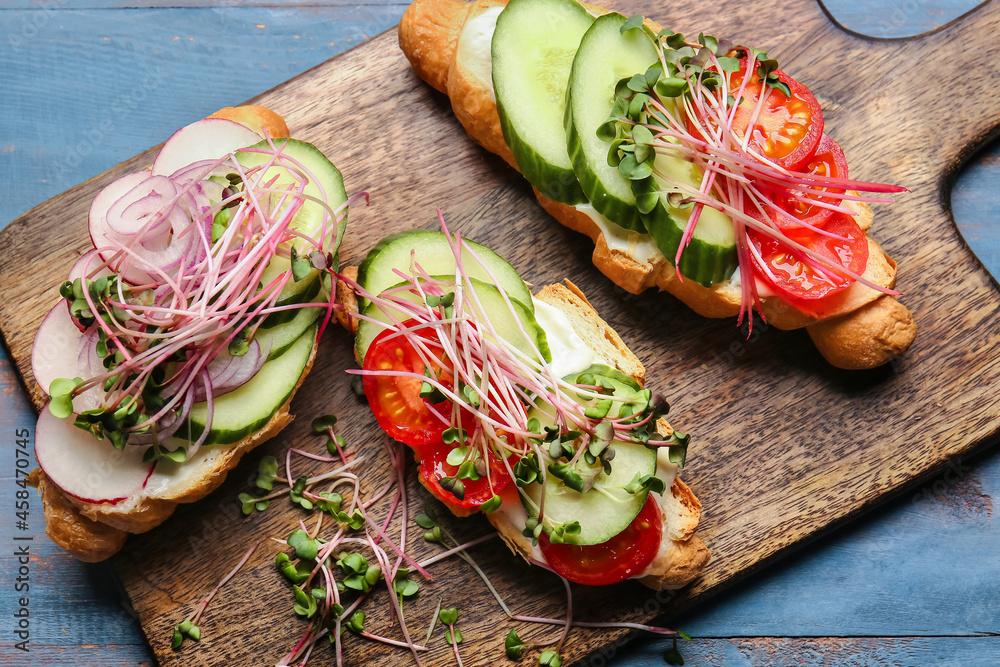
(829, 161)
(434, 466)
(787, 129)
(396, 401)
(624, 555)
(794, 278)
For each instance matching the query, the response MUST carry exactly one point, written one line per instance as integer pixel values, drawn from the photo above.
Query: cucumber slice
(247, 409)
(493, 305)
(432, 252)
(602, 513)
(308, 291)
(326, 183)
(604, 58)
(533, 48)
(710, 257)
(284, 335)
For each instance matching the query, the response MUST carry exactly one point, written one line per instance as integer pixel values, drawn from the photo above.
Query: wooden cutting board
(784, 446)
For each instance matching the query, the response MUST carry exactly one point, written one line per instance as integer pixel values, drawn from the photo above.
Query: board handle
(948, 78)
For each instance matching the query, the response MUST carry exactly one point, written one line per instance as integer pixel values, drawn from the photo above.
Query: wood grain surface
(804, 448)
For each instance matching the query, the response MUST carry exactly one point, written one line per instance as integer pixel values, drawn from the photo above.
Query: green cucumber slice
(710, 257)
(247, 409)
(601, 513)
(432, 252)
(493, 305)
(284, 335)
(604, 58)
(306, 290)
(326, 183)
(533, 48)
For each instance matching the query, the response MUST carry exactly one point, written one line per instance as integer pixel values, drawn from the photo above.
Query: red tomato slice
(396, 401)
(787, 130)
(794, 278)
(624, 555)
(829, 160)
(433, 466)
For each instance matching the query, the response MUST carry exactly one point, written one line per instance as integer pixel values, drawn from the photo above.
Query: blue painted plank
(832, 651)
(93, 88)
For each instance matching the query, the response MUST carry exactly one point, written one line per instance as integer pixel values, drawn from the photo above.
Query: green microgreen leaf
(356, 623)
(454, 434)
(305, 604)
(305, 546)
(608, 130)
(267, 471)
(527, 470)
(403, 585)
(513, 646)
(301, 266)
(454, 486)
(549, 658)
(456, 457)
(678, 448)
(729, 65)
(634, 170)
(323, 424)
(330, 503)
(295, 493)
(599, 410)
(491, 505)
(355, 520)
(568, 475)
(448, 616)
(631, 23)
(450, 636)
(426, 520)
(61, 393)
(645, 483)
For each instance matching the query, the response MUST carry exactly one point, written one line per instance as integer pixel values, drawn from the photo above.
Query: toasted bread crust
(862, 344)
(93, 532)
(257, 118)
(88, 540)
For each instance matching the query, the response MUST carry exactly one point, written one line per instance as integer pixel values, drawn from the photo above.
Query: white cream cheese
(763, 289)
(639, 247)
(569, 353)
(475, 46)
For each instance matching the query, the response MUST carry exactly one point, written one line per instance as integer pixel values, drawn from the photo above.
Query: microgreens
(329, 603)
(690, 86)
(174, 327)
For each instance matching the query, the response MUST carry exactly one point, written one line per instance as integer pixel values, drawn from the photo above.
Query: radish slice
(84, 467)
(85, 266)
(59, 351)
(208, 139)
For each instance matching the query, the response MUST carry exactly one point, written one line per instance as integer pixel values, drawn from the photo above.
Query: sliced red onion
(130, 221)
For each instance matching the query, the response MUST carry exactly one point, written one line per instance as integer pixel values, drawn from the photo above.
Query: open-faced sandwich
(183, 334)
(529, 408)
(696, 167)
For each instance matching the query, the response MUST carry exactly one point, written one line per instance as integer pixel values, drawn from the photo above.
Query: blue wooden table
(86, 84)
